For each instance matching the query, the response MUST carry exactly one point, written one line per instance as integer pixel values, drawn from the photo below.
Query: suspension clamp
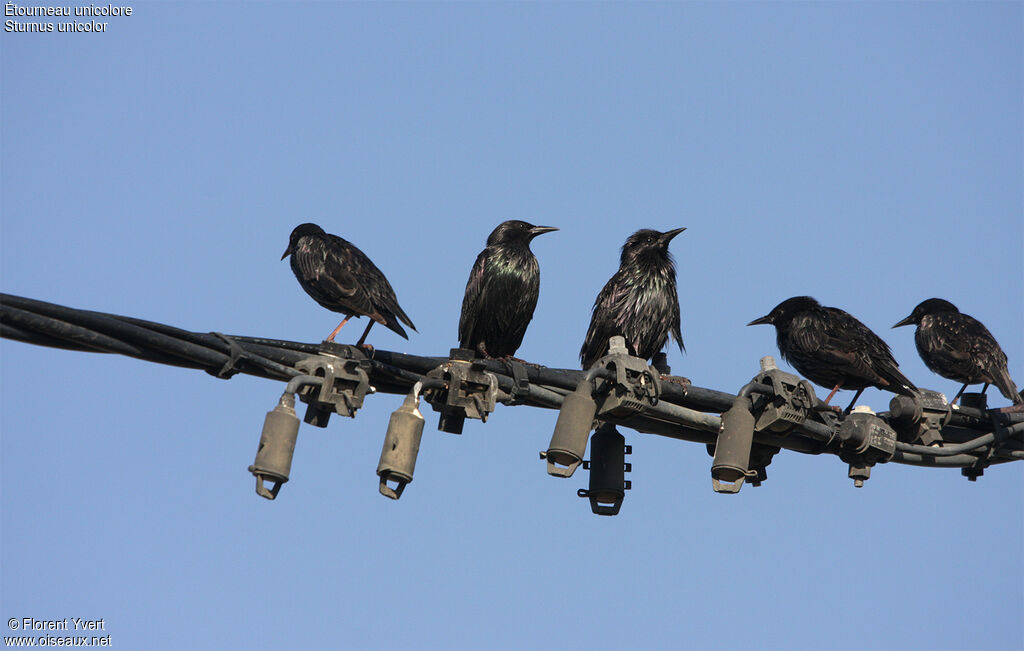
(345, 384)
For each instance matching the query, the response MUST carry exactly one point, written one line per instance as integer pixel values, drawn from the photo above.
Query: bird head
(298, 233)
(645, 242)
(785, 311)
(925, 308)
(515, 231)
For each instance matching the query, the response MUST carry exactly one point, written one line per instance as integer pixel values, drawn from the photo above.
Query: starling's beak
(287, 252)
(766, 319)
(667, 236)
(540, 230)
(907, 321)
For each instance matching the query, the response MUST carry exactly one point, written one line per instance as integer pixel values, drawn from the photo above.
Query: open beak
(766, 319)
(907, 321)
(540, 230)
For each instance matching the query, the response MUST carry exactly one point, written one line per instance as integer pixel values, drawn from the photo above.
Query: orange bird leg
(832, 394)
(331, 336)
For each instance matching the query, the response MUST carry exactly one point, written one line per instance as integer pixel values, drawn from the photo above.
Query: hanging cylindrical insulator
(401, 445)
(277, 445)
(732, 450)
(608, 467)
(569, 441)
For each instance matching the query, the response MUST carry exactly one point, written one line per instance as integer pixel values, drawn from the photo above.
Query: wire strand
(685, 411)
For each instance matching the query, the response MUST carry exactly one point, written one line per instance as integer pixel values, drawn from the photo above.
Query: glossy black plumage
(341, 278)
(639, 302)
(959, 347)
(502, 291)
(833, 349)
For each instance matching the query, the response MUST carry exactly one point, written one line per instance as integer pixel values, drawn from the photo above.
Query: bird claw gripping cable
(472, 392)
(344, 387)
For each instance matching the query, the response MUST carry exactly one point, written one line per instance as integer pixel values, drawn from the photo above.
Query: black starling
(639, 302)
(833, 349)
(341, 278)
(958, 347)
(502, 291)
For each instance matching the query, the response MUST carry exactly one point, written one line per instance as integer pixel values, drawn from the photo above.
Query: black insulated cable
(685, 412)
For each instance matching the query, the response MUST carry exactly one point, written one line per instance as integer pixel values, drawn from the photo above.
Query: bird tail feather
(395, 326)
(1007, 387)
(899, 382)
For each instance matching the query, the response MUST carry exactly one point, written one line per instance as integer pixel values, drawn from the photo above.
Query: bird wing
(957, 337)
(987, 354)
(501, 295)
(979, 343)
(371, 291)
(326, 279)
(970, 347)
(630, 306)
(866, 353)
(820, 337)
(471, 301)
(676, 326)
(603, 321)
(341, 278)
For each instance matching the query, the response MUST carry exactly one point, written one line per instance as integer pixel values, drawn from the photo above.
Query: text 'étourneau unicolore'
(56, 18)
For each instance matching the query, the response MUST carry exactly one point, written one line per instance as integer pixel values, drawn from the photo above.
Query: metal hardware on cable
(345, 383)
(469, 391)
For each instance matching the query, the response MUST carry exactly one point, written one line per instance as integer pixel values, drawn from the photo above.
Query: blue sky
(870, 155)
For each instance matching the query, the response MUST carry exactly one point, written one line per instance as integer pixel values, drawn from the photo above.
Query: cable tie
(236, 352)
(521, 383)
